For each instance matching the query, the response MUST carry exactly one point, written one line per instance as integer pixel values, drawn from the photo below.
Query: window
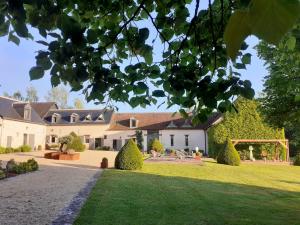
(100, 117)
(133, 123)
(172, 139)
(87, 139)
(186, 140)
(55, 118)
(27, 113)
(88, 117)
(53, 139)
(73, 117)
(105, 137)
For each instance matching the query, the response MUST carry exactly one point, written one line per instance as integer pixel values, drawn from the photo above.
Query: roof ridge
(9, 98)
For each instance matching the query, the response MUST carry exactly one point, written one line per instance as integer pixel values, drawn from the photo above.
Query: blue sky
(16, 61)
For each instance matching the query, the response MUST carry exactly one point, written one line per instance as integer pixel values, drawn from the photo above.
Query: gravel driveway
(47, 196)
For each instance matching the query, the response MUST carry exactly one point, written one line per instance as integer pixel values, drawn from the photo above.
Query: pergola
(283, 142)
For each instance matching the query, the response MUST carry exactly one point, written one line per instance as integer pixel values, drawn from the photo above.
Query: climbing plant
(245, 123)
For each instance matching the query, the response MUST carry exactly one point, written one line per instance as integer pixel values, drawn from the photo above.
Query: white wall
(196, 139)
(123, 136)
(17, 129)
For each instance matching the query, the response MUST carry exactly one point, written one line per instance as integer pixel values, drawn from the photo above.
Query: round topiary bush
(157, 146)
(129, 157)
(229, 155)
(297, 160)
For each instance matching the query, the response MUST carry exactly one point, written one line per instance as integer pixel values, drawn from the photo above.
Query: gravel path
(48, 195)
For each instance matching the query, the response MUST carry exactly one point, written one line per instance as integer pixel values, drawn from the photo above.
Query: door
(9, 141)
(25, 139)
(31, 141)
(98, 142)
(117, 144)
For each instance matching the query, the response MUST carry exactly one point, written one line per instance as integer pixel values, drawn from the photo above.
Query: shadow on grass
(122, 197)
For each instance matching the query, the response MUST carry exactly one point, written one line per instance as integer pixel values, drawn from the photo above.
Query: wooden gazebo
(283, 142)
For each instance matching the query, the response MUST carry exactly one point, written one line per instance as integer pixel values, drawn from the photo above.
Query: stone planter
(198, 157)
(62, 156)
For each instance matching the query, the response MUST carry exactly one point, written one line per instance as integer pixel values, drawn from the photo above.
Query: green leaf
(297, 98)
(92, 36)
(36, 72)
(4, 28)
(291, 43)
(158, 93)
(55, 80)
(246, 59)
(271, 19)
(236, 31)
(13, 38)
(143, 34)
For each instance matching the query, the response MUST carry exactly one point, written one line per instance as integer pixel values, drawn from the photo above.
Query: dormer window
(133, 123)
(73, 118)
(88, 117)
(55, 118)
(27, 112)
(100, 117)
(171, 125)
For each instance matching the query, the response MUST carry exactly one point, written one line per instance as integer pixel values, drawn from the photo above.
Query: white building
(43, 123)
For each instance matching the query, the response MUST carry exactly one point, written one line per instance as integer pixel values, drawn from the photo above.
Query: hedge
(246, 123)
(129, 157)
(22, 148)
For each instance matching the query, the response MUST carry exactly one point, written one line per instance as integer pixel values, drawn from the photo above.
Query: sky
(16, 61)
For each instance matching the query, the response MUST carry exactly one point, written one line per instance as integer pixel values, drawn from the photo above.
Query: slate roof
(42, 108)
(158, 121)
(65, 115)
(14, 109)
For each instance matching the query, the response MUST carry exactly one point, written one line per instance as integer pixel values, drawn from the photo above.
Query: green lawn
(191, 194)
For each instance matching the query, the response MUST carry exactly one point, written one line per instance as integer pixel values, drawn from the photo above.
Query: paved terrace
(50, 194)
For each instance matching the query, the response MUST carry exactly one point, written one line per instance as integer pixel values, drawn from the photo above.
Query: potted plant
(197, 155)
(172, 152)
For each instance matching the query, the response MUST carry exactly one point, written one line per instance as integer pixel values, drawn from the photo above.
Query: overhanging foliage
(106, 48)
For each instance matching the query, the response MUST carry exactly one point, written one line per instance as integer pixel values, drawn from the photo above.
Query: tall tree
(31, 94)
(78, 104)
(281, 94)
(59, 95)
(106, 48)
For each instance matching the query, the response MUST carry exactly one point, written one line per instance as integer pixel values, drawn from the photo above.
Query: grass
(192, 194)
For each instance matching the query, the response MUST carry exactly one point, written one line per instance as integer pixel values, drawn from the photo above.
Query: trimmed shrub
(11, 166)
(129, 157)
(2, 174)
(297, 160)
(33, 164)
(229, 155)
(2, 150)
(76, 144)
(25, 148)
(157, 146)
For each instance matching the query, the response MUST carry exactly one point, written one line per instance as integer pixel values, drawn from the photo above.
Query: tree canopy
(106, 48)
(281, 94)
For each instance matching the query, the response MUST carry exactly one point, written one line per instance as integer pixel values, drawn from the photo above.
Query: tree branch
(154, 24)
(126, 23)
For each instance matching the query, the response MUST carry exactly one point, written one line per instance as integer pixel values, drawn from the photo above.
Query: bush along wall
(22, 148)
(129, 157)
(246, 123)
